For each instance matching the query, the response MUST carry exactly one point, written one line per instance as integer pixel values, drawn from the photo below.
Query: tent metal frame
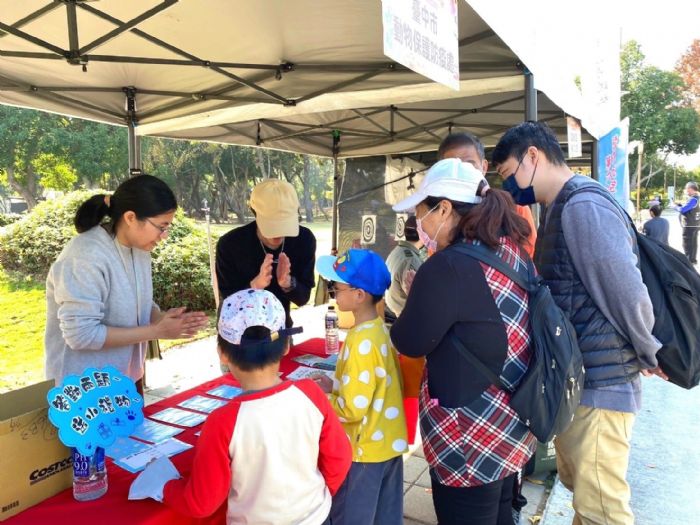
(402, 123)
(80, 56)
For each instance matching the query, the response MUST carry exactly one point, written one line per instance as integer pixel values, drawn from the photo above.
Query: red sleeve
(334, 451)
(207, 486)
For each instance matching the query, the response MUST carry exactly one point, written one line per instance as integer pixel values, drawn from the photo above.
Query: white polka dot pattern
(399, 445)
(391, 413)
(360, 402)
(365, 347)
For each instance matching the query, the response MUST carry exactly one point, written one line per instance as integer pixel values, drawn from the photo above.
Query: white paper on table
(138, 461)
(180, 417)
(226, 391)
(304, 372)
(203, 404)
(123, 447)
(155, 432)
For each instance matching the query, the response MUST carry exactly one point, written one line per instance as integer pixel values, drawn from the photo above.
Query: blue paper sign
(613, 172)
(93, 409)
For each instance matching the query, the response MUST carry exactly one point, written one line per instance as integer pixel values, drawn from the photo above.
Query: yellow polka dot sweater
(367, 394)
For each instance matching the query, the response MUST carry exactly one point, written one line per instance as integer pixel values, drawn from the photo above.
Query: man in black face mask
(585, 252)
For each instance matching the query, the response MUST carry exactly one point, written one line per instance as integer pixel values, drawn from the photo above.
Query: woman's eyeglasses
(163, 229)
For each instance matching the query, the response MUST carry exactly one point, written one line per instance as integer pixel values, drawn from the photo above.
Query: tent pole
(531, 114)
(133, 139)
(336, 187)
(594, 160)
(530, 96)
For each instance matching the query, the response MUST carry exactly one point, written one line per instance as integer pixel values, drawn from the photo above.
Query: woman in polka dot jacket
(366, 394)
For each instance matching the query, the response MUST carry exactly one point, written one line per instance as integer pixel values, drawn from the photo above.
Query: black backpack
(550, 391)
(674, 289)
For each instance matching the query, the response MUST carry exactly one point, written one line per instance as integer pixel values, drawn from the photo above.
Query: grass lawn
(23, 318)
(22, 321)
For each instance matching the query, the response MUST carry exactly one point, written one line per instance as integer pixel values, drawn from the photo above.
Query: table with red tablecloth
(114, 508)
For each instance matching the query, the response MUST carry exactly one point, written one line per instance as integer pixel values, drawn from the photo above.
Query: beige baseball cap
(276, 207)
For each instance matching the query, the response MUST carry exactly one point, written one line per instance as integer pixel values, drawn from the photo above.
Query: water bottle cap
(331, 307)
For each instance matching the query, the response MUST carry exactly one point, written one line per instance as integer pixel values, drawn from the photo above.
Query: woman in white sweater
(99, 293)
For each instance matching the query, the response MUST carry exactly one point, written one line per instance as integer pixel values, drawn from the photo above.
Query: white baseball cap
(450, 179)
(248, 308)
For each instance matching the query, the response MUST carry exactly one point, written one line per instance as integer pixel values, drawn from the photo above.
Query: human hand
(324, 382)
(655, 372)
(264, 278)
(408, 280)
(178, 324)
(284, 268)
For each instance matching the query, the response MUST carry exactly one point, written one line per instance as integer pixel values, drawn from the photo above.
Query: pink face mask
(430, 244)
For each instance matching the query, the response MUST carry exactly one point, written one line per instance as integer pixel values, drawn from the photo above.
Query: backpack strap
(476, 362)
(483, 253)
(488, 256)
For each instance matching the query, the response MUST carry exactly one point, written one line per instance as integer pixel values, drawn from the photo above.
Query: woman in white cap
(473, 440)
(271, 253)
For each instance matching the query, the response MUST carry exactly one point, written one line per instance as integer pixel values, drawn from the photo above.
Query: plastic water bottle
(89, 475)
(331, 331)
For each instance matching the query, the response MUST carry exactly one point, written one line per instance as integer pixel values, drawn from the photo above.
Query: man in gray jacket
(586, 253)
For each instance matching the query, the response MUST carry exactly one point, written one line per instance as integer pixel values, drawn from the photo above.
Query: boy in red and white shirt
(277, 452)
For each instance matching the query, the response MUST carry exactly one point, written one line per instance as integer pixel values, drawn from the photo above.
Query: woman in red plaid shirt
(473, 440)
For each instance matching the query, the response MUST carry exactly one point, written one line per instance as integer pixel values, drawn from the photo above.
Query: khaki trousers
(592, 459)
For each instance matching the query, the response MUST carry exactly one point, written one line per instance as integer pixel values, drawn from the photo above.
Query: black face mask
(521, 196)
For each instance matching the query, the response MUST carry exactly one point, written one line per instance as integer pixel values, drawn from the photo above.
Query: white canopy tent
(277, 73)
(297, 75)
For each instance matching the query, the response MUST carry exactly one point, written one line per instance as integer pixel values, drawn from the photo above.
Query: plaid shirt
(485, 441)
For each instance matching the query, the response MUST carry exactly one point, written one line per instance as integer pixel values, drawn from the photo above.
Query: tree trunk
(260, 163)
(306, 183)
(28, 191)
(222, 190)
(196, 200)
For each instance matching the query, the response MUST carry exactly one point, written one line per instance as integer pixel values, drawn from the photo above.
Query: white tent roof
(282, 74)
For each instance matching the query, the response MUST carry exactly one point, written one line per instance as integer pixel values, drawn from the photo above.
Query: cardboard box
(34, 464)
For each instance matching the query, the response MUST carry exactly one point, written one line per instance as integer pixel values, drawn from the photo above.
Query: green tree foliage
(24, 135)
(40, 151)
(54, 172)
(653, 99)
(181, 275)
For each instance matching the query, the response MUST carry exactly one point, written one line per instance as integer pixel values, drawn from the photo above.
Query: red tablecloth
(114, 508)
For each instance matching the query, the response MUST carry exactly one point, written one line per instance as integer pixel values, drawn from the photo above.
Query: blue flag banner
(613, 170)
(93, 409)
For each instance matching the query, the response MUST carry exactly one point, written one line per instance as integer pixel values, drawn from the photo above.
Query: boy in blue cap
(366, 394)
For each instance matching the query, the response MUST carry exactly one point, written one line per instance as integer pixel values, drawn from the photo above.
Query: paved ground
(189, 365)
(664, 466)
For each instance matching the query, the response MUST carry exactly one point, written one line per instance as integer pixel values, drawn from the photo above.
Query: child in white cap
(277, 452)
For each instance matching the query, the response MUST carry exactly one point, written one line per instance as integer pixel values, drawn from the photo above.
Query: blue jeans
(372, 493)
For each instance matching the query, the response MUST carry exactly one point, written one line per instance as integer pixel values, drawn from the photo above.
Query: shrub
(30, 246)
(180, 264)
(8, 218)
(181, 274)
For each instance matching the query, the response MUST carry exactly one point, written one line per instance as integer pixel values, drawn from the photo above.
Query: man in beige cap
(271, 253)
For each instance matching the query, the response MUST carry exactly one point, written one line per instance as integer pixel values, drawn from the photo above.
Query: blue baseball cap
(363, 269)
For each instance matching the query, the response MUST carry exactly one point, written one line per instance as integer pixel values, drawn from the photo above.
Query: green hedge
(180, 263)
(9, 218)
